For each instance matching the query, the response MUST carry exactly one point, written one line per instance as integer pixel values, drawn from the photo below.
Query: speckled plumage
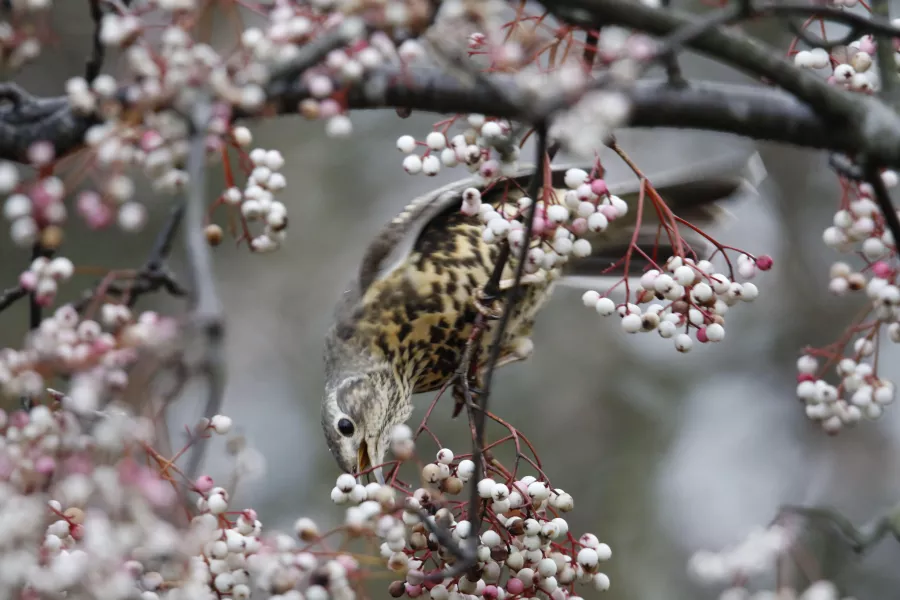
(402, 327)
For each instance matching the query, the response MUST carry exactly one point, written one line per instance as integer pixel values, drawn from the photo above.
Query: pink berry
(329, 108)
(204, 483)
(41, 153)
(250, 515)
(490, 592)
(880, 269)
(19, 419)
(764, 262)
(44, 299)
(515, 586)
(609, 211)
(599, 187)
(78, 463)
(867, 45)
(539, 226)
(701, 336)
(579, 226)
(45, 465)
(151, 140)
(158, 492)
(28, 280)
(413, 591)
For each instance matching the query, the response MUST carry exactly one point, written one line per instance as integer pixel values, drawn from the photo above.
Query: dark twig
(490, 291)
(95, 61)
(35, 310)
(884, 51)
(11, 296)
(162, 246)
(207, 316)
(845, 167)
(670, 61)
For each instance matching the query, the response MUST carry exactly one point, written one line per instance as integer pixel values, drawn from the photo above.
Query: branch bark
(750, 111)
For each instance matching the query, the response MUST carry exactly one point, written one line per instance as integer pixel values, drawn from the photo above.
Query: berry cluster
(142, 112)
(737, 565)
(860, 393)
(484, 148)
(818, 590)
(35, 211)
(256, 201)
(523, 547)
(694, 298)
(43, 276)
(695, 295)
(96, 353)
(849, 66)
(751, 556)
(858, 228)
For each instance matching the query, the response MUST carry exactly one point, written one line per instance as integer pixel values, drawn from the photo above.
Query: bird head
(358, 415)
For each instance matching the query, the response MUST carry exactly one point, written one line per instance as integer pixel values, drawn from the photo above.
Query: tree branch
(207, 316)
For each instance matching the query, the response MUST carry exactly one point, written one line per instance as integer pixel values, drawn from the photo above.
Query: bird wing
(692, 192)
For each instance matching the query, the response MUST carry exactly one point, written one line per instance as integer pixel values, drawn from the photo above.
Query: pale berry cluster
(256, 201)
(847, 66)
(35, 211)
(860, 393)
(818, 590)
(485, 148)
(43, 276)
(523, 547)
(95, 353)
(560, 225)
(694, 296)
(858, 228)
(21, 35)
(755, 554)
(685, 295)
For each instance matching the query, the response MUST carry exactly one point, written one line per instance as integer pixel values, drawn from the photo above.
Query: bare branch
(207, 316)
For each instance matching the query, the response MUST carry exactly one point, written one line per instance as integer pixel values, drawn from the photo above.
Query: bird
(402, 325)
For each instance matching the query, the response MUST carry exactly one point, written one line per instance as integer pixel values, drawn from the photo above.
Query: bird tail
(694, 194)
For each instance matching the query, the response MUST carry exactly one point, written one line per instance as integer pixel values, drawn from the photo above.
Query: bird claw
(459, 397)
(482, 302)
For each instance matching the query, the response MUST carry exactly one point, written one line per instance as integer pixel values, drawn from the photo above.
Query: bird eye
(345, 426)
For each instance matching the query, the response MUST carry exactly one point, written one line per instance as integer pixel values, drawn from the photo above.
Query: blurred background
(665, 454)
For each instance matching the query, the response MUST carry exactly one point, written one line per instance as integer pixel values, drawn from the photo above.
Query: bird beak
(364, 462)
(362, 457)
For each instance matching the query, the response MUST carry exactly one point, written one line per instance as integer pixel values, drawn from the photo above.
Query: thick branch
(750, 111)
(724, 45)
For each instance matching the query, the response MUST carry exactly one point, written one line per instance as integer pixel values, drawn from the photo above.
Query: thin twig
(11, 296)
(467, 555)
(162, 245)
(95, 61)
(35, 310)
(883, 199)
